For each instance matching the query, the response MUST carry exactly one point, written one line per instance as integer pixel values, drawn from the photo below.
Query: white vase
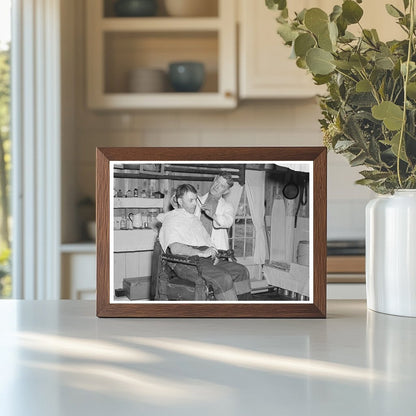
(391, 253)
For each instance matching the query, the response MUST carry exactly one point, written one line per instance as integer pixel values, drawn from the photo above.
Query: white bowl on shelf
(191, 8)
(147, 80)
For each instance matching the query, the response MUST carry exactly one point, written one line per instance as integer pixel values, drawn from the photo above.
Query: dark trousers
(227, 279)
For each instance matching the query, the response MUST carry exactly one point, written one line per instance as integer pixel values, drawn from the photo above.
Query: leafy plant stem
(346, 75)
(406, 79)
(373, 88)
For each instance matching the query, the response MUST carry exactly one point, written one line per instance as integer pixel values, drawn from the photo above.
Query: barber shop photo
(210, 232)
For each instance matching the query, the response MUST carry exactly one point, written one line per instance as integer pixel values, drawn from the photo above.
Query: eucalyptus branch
(398, 95)
(373, 88)
(392, 91)
(405, 81)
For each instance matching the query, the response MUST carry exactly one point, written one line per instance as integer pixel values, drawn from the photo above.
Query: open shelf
(160, 24)
(116, 46)
(210, 9)
(127, 51)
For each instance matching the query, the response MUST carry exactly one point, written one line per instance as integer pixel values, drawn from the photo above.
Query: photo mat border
(316, 308)
(228, 163)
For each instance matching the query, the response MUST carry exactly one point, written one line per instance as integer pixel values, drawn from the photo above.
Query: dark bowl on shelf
(186, 76)
(135, 8)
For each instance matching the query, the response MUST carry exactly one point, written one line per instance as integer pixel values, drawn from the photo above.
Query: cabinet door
(266, 71)
(116, 46)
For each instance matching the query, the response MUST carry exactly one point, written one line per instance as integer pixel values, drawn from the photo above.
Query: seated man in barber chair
(183, 233)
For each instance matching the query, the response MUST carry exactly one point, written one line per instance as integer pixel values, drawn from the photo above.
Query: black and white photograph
(211, 232)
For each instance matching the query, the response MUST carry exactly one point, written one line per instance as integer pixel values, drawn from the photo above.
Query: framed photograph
(211, 232)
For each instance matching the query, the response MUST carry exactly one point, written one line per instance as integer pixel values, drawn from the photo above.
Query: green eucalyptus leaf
(374, 151)
(353, 131)
(406, 4)
(363, 86)
(375, 35)
(325, 42)
(351, 11)
(321, 79)
(374, 174)
(411, 90)
(344, 65)
(368, 36)
(303, 43)
(276, 4)
(365, 182)
(394, 143)
(343, 145)
(336, 12)
(316, 20)
(285, 13)
(391, 114)
(301, 63)
(396, 71)
(382, 89)
(377, 75)
(384, 62)
(393, 11)
(342, 25)
(405, 21)
(358, 160)
(301, 15)
(358, 61)
(281, 19)
(347, 37)
(412, 67)
(287, 33)
(333, 32)
(319, 61)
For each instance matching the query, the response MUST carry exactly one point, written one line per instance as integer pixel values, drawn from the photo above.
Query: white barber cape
(182, 227)
(225, 219)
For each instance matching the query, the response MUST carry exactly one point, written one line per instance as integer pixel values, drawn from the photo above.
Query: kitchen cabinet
(118, 45)
(265, 70)
(78, 264)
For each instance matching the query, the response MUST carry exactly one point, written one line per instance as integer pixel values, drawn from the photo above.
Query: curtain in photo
(255, 196)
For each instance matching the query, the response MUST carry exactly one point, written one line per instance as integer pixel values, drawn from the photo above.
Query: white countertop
(57, 358)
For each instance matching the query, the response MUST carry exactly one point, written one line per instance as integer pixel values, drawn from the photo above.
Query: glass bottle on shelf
(145, 219)
(143, 194)
(152, 218)
(119, 194)
(129, 194)
(135, 193)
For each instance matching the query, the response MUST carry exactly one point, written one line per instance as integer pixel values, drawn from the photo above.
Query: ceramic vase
(391, 253)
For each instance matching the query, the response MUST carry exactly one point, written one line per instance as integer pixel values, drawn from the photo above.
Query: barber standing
(216, 214)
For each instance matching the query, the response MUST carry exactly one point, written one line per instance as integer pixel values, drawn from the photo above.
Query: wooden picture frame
(261, 158)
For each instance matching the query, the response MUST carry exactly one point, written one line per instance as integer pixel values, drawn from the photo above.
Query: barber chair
(167, 285)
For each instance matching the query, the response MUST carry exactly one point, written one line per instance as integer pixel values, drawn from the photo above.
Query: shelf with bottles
(135, 228)
(138, 202)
